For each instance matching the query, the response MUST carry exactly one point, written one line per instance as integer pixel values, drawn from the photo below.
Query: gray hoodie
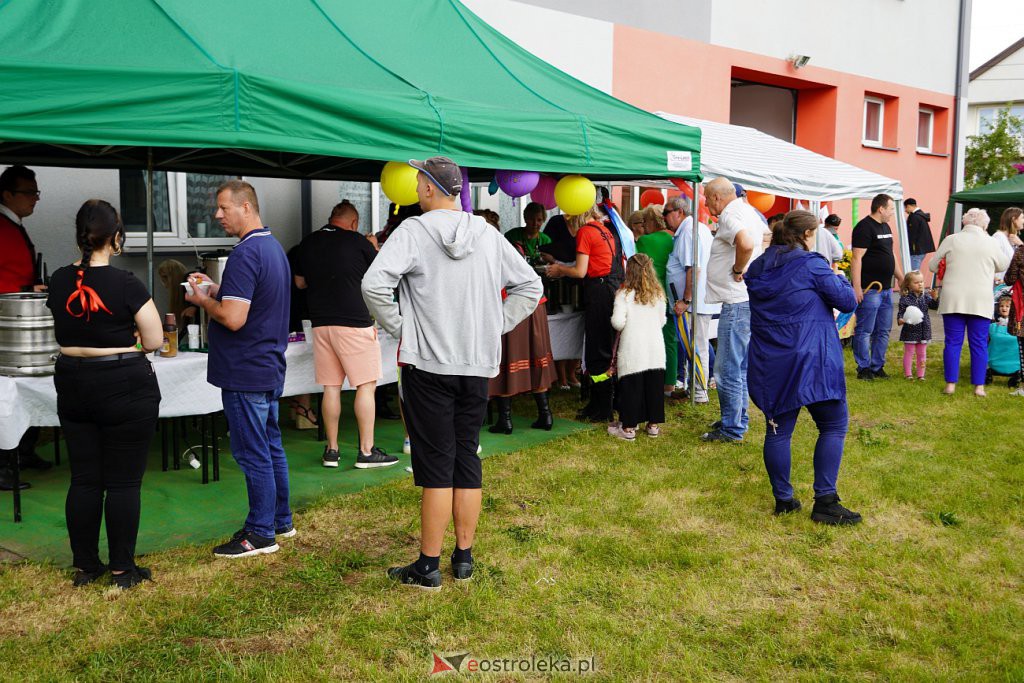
(449, 268)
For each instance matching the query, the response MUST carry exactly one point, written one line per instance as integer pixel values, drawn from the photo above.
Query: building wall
(1000, 85)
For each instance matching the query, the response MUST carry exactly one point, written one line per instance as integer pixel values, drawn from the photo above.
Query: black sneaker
(462, 571)
(246, 544)
(285, 532)
(718, 436)
(865, 374)
(376, 458)
(84, 578)
(330, 457)
(784, 507)
(880, 373)
(132, 577)
(715, 426)
(408, 576)
(827, 510)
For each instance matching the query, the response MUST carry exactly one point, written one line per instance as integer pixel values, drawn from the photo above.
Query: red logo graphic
(449, 663)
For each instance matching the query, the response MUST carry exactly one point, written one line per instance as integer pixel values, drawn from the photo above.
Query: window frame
(868, 99)
(931, 130)
(178, 237)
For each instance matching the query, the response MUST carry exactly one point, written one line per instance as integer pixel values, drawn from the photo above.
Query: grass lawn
(659, 559)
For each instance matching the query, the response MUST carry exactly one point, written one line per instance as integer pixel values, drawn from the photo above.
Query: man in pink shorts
(331, 265)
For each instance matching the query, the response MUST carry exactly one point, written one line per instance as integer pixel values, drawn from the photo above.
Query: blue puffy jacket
(795, 356)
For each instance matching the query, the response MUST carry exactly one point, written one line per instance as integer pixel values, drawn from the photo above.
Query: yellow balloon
(575, 194)
(398, 181)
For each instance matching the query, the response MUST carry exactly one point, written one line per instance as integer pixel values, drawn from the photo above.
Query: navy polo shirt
(252, 359)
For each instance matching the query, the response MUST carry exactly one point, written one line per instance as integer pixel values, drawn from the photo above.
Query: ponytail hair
(790, 232)
(97, 225)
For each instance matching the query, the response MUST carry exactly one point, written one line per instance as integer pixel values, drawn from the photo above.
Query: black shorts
(443, 414)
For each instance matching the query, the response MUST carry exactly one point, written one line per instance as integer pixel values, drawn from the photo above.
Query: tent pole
(692, 311)
(901, 228)
(149, 219)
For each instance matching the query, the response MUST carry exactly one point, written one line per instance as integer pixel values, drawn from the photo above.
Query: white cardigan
(641, 346)
(972, 260)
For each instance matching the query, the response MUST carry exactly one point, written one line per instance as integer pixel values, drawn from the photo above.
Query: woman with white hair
(971, 259)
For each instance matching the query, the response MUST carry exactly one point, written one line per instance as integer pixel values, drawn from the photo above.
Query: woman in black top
(107, 394)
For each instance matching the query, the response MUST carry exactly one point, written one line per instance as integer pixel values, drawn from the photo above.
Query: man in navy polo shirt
(248, 335)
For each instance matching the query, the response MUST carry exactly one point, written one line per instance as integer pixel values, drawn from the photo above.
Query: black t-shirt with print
(878, 264)
(109, 327)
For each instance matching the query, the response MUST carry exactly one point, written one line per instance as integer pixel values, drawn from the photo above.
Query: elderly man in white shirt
(681, 283)
(736, 244)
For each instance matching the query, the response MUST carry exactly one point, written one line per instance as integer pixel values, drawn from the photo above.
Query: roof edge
(1016, 45)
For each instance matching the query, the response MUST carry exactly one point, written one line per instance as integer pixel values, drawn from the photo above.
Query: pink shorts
(346, 352)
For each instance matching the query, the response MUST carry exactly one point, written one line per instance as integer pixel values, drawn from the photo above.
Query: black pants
(443, 414)
(108, 411)
(26, 447)
(640, 398)
(599, 336)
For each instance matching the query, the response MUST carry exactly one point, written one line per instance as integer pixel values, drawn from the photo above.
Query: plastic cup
(193, 337)
(307, 331)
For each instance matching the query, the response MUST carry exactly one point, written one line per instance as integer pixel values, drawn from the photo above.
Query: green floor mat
(177, 508)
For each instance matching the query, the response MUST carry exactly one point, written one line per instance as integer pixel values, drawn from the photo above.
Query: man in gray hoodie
(449, 268)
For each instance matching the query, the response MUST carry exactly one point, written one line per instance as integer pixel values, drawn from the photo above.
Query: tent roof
(1007, 191)
(761, 162)
(317, 89)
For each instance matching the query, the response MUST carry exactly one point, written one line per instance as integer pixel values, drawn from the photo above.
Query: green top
(658, 246)
(518, 237)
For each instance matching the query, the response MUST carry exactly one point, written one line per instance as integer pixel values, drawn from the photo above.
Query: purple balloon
(544, 193)
(467, 193)
(517, 183)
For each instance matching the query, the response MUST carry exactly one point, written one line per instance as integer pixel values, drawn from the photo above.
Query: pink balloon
(544, 193)
(517, 183)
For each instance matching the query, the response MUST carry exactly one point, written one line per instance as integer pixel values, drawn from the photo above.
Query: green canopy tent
(319, 89)
(996, 196)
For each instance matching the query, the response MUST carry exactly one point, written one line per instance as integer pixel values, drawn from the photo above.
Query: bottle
(170, 347)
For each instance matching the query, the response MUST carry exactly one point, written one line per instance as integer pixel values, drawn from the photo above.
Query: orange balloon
(761, 201)
(651, 196)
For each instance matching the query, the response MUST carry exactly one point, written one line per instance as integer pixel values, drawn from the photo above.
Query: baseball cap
(740, 191)
(442, 171)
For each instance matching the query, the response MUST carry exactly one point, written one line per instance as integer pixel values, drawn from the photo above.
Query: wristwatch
(737, 272)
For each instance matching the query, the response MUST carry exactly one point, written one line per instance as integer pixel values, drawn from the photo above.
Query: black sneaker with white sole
(718, 436)
(376, 458)
(462, 571)
(330, 457)
(285, 532)
(246, 544)
(827, 510)
(408, 576)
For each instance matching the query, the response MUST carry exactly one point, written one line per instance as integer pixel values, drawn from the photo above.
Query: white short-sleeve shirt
(736, 217)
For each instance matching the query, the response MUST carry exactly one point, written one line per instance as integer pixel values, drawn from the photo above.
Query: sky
(995, 24)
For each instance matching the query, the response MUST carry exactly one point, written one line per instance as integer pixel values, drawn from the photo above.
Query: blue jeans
(731, 368)
(915, 261)
(832, 420)
(954, 325)
(871, 338)
(256, 445)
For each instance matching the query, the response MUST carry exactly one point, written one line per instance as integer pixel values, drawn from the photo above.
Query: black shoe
(880, 373)
(132, 577)
(330, 457)
(865, 374)
(408, 576)
(285, 532)
(7, 481)
(716, 425)
(545, 420)
(827, 510)
(602, 398)
(246, 544)
(84, 578)
(783, 507)
(462, 571)
(717, 436)
(376, 458)
(32, 461)
(503, 425)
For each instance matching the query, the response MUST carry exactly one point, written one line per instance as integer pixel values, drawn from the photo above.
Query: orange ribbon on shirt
(87, 297)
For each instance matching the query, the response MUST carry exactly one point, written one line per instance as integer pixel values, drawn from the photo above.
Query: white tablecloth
(32, 401)
(566, 330)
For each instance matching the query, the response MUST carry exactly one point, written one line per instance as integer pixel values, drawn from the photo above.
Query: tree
(990, 157)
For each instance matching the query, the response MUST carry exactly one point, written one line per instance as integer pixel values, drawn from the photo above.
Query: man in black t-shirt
(330, 267)
(871, 271)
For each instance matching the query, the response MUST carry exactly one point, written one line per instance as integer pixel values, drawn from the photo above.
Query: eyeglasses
(668, 211)
(34, 193)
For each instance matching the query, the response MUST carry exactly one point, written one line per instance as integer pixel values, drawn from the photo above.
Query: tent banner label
(680, 161)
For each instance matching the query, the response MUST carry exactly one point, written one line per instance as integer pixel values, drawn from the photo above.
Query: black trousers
(599, 335)
(640, 398)
(443, 414)
(26, 447)
(108, 411)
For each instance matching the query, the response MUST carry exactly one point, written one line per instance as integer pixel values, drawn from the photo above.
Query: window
(874, 121)
(987, 116)
(184, 205)
(925, 129)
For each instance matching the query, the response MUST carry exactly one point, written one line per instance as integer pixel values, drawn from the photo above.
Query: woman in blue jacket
(796, 360)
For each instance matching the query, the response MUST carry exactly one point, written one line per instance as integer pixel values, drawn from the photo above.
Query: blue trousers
(954, 325)
(871, 338)
(256, 446)
(731, 368)
(832, 420)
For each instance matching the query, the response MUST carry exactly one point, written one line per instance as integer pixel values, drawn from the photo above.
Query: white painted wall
(1001, 85)
(912, 42)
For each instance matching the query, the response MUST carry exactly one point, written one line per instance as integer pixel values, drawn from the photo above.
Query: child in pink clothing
(915, 337)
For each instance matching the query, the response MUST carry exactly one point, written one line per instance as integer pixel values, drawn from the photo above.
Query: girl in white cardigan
(639, 314)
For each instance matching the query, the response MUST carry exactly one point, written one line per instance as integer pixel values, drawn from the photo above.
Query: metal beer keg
(27, 344)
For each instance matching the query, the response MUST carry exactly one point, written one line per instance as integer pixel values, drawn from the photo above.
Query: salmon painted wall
(655, 71)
